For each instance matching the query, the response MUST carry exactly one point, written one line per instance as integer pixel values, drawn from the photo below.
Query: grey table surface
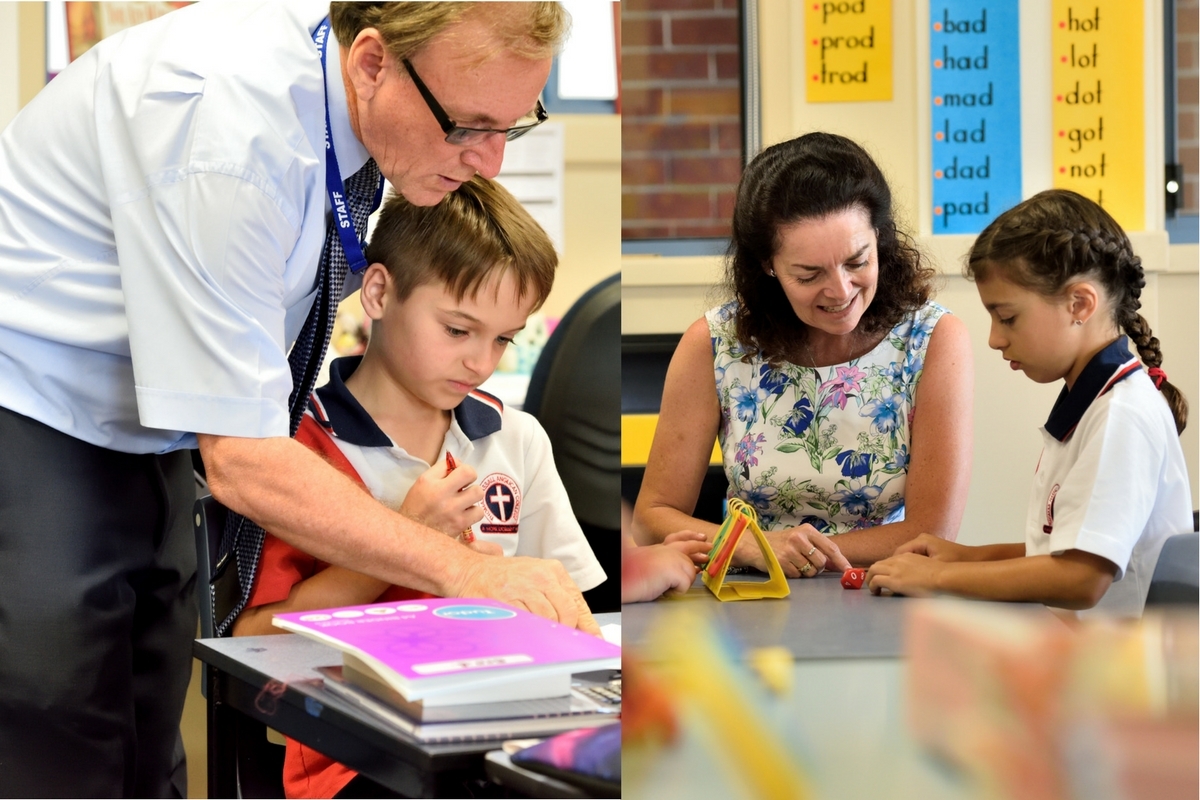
(819, 619)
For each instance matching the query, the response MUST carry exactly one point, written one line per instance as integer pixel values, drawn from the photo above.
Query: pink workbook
(446, 652)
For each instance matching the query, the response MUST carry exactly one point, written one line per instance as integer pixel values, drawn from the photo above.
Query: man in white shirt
(163, 209)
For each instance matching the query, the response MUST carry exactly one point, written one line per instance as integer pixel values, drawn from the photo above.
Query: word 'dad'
(975, 82)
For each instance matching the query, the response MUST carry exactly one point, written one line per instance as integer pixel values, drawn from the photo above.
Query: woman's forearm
(653, 523)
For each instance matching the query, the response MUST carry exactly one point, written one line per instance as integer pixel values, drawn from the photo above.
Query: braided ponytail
(1058, 235)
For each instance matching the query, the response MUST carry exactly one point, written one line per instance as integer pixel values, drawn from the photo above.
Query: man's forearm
(292, 492)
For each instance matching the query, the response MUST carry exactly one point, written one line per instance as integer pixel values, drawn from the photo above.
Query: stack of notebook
(461, 670)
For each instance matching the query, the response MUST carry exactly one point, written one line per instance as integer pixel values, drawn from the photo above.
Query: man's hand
(486, 548)
(539, 585)
(802, 551)
(446, 502)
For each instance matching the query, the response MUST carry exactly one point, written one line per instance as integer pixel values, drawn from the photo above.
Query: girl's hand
(802, 551)
(934, 547)
(691, 544)
(449, 503)
(908, 574)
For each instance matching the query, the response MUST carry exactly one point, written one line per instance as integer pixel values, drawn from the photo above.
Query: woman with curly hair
(842, 400)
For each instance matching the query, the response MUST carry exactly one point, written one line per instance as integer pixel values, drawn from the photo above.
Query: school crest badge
(501, 504)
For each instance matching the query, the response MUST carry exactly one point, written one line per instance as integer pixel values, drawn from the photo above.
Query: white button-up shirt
(162, 213)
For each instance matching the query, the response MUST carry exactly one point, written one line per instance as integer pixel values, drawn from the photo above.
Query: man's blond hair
(529, 30)
(477, 233)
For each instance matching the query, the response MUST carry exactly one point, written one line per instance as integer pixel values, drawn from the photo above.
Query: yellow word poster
(848, 50)
(1099, 127)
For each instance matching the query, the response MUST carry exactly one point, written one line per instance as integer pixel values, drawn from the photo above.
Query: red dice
(853, 578)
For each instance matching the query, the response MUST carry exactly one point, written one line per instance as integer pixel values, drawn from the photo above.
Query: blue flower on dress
(772, 381)
(748, 448)
(857, 501)
(887, 413)
(855, 464)
(746, 402)
(920, 334)
(820, 524)
(899, 462)
(800, 417)
(760, 497)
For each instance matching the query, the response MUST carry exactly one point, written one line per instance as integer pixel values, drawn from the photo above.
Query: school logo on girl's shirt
(1049, 526)
(501, 504)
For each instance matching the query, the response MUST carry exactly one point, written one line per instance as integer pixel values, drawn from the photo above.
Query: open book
(453, 651)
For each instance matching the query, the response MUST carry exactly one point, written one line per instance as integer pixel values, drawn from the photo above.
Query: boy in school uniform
(447, 288)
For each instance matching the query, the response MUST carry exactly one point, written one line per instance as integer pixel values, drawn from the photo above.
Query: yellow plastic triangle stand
(742, 518)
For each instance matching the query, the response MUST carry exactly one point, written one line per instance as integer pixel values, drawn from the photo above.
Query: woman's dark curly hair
(1058, 236)
(810, 177)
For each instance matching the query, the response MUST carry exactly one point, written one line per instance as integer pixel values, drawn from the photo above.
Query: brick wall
(681, 150)
(1187, 21)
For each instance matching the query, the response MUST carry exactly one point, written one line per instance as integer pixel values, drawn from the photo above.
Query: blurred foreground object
(1031, 708)
(691, 678)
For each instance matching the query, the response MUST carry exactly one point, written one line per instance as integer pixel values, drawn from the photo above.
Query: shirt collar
(350, 151)
(1106, 369)
(340, 413)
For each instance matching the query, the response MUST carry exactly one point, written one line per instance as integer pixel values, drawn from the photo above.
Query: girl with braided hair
(1062, 284)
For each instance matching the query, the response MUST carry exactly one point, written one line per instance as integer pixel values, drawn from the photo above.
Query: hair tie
(1157, 375)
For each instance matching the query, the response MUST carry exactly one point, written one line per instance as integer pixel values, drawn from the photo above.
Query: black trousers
(97, 613)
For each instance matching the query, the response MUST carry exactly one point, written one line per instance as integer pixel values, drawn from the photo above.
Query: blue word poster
(976, 86)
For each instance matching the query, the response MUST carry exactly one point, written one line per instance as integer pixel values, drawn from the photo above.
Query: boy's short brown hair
(479, 231)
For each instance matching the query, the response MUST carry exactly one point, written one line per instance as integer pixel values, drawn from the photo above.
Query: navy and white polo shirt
(526, 510)
(1111, 480)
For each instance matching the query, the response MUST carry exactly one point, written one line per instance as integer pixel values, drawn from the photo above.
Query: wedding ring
(813, 550)
(804, 570)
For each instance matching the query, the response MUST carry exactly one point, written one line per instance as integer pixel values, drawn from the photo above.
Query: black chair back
(1177, 574)
(575, 392)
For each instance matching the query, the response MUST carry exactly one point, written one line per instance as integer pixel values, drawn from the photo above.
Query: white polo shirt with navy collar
(1111, 480)
(526, 510)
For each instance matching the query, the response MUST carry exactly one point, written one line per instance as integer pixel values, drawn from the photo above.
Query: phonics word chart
(848, 50)
(1099, 110)
(975, 83)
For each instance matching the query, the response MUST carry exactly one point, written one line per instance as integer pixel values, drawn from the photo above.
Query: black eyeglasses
(456, 134)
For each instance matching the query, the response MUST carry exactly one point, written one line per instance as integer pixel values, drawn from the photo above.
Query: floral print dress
(827, 446)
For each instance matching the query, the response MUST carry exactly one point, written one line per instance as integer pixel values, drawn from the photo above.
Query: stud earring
(771, 272)
(1078, 322)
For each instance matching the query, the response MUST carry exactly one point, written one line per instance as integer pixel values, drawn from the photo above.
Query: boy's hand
(449, 503)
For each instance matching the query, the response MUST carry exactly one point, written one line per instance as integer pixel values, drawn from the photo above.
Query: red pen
(467, 536)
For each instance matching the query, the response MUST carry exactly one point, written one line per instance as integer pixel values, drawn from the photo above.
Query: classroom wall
(662, 295)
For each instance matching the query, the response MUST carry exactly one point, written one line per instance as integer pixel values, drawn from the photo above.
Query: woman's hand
(691, 544)
(654, 570)
(449, 503)
(908, 574)
(802, 551)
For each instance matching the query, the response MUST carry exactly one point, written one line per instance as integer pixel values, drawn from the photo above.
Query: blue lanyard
(333, 175)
